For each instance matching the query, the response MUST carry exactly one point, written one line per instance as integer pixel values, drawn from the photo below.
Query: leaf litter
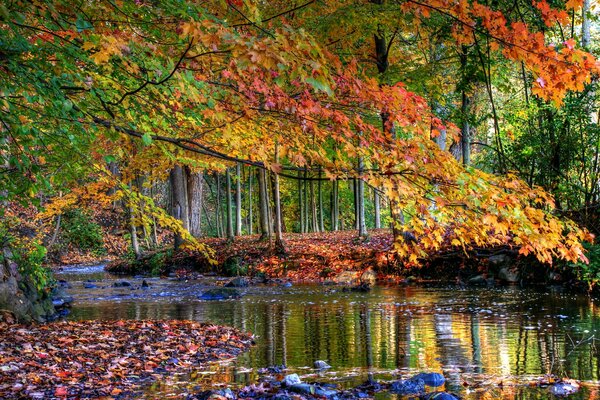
(107, 359)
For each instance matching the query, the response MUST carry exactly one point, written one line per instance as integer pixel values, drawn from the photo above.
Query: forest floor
(107, 359)
(309, 257)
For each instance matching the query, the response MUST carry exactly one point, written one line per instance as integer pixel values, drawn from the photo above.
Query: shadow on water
(478, 336)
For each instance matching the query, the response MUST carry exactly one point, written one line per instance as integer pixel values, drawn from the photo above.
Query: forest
(245, 146)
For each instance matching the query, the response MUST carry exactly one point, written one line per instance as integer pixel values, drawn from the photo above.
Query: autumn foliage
(172, 86)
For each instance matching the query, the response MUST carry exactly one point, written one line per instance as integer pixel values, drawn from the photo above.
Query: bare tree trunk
(279, 245)
(362, 226)
(179, 203)
(238, 200)
(306, 202)
(135, 246)
(585, 25)
(218, 214)
(377, 208)
(301, 202)
(229, 211)
(335, 210)
(313, 208)
(320, 192)
(195, 189)
(250, 205)
(263, 205)
(465, 131)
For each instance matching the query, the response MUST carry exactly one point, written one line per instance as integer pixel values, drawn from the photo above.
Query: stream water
(484, 340)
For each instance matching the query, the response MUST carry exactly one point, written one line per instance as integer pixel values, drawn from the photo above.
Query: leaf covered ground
(311, 256)
(106, 359)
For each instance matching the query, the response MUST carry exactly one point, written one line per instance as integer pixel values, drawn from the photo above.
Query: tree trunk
(335, 210)
(195, 191)
(320, 192)
(362, 226)
(250, 205)
(585, 25)
(263, 208)
(238, 200)
(306, 202)
(313, 208)
(377, 209)
(279, 245)
(179, 203)
(301, 202)
(465, 131)
(135, 246)
(218, 214)
(229, 210)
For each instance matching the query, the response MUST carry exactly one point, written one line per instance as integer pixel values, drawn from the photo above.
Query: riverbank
(116, 359)
(340, 257)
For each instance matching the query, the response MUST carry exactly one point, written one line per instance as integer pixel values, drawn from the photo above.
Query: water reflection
(473, 336)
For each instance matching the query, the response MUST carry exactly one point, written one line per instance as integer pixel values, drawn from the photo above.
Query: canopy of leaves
(154, 84)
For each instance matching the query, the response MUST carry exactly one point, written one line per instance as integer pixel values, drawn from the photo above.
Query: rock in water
(439, 396)
(508, 275)
(432, 379)
(564, 388)
(122, 284)
(314, 390)
(408, 387)
(220, 294)
(240, 281)
(320, 364)
(290, 380)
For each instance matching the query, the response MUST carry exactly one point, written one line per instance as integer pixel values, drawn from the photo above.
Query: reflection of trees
(359, 330)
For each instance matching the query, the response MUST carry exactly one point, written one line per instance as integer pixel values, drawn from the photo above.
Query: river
(488, 342)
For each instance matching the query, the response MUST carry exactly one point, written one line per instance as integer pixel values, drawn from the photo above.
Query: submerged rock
(564, 388)
(291, 380)
(369, 277)
(433, 379)
(320, 364)
(314, 390)
(439, 396)
(477, 280)
(363, 287)
(508, 275)
(272, 369)
(408, 387)
(238, 282)
(220, 294)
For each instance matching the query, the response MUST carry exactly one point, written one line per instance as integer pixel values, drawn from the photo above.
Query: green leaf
(82, 24)
(319, 85)
(147, 139)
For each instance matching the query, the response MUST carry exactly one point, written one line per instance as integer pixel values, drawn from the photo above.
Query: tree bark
(301, 202)
(135, 246)
(320, 192)
(179, 203)
(586, 37)
(195, 191)
(335, 210)
(218, 214)
(229, 210)
(263, 208)
(250, 205)
(377, 209)
(313, 208)
(362, 226)
(279, 244)
(238, 200)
